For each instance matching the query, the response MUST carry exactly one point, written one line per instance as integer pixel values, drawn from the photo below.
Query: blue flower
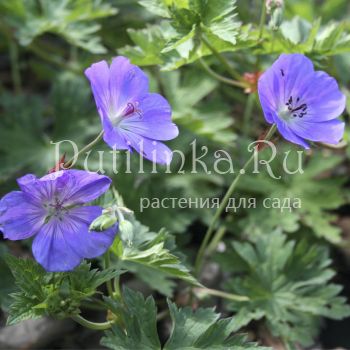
(52, 209)
(302, 102)
(131, 116)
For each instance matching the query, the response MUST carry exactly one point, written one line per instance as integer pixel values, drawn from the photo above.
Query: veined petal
(84, 186)
(330, 131)
(52, 250)
(289, 135)
(113, 137)
(154, 122)
(43, 189)
(71, 187)
(152, 150)
(325, 100)
(128, 83)
(288, 75)
(98, 75)
(62, 244)
(19, 218)
(88, 244)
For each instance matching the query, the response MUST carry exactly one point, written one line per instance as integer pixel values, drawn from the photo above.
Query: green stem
(92, 325)
(248, 113)
(219, 211)
(262, 19)
(222, 59)
(107, 259)
(220, 294)
(71, 161)
(220, 77)
(216, 239)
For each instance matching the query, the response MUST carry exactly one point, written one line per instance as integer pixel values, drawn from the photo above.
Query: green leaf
(66, 114)
(288, 285)
(189, 21)
(312, 186)
(191, 330)
(71, 19)
(56, 294)
(158, 7)
(299, 35)
(149, 42)
(7, 281)
(147, 256)
(220, 18)
(138, 315)
(211, 120)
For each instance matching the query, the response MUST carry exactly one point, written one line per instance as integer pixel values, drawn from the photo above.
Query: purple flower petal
(330, 131)
(52, 249)
(62, 245)
(289, 135)
(69, 186)
(98, 74)
(88, 244)
(154, 122)
(152, 150)
(113, 136)
(325, 100)
(128, 83)
(83, 187)
(19, 218)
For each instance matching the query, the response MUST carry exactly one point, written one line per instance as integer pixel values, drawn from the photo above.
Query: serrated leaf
(190, 20)
(71, 19)
(147, 256)
(288, 284)
(191, 330)
(56, 294)
(310, 187)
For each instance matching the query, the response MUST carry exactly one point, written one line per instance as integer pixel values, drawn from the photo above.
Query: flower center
(292, 108)
(130, 109)
(54, 210)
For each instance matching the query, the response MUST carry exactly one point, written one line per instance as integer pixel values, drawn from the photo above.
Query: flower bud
(276, 18)
(103, 222)
(272, 5)
(126, 231)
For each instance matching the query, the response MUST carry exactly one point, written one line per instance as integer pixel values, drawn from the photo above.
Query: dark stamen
(303, 107)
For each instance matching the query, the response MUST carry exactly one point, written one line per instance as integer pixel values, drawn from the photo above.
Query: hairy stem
(219, 211)
(92, 325)
(107, 260)
(220, 77)
(220, 294)
(262, 19)
(222, 59)
(71, 161)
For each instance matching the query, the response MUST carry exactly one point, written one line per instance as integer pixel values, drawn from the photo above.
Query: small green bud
(103, 222)
(272, 5)
(274, 8)
(126, 231)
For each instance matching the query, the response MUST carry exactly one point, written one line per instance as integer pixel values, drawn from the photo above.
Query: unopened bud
(126, 231)
(103, 222)
(276, 18)
(272, 5)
